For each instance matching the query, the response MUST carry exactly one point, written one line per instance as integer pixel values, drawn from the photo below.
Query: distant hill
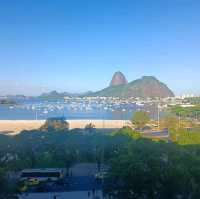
(7, 102)
(56, 95)
(147, 86)
(118, 79)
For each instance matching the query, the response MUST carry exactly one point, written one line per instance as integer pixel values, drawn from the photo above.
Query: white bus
(41, 175)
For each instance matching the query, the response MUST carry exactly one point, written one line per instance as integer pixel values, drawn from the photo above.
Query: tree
(170, 121)
(146, 169)
(127, 131)
(6, 188)
(89, 127)
(55, 124)
(140, 118)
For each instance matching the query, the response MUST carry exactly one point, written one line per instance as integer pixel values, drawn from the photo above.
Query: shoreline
(13, 127)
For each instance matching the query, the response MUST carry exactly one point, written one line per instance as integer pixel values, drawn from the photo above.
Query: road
(76, 187)
(63, 195)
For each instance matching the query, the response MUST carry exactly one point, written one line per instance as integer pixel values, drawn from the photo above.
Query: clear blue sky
(77, 45)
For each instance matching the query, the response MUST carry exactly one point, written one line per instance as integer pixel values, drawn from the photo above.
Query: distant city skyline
(76, 46)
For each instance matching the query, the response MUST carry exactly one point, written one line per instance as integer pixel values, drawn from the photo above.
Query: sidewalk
(62, 195)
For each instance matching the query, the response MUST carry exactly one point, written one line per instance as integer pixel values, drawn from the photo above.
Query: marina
(77, 108)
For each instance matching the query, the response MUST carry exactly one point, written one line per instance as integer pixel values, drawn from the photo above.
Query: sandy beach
(12, 127)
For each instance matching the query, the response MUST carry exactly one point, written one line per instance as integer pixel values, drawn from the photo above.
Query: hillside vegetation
(145, 87)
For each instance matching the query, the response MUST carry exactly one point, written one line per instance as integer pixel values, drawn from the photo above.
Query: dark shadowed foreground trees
(155, 170)
(139, 168)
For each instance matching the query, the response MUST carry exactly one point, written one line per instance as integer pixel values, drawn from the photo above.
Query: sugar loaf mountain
(147, 86)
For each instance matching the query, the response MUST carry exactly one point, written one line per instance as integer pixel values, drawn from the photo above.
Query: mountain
(118, 79)
(147, 86)
(53, 94)
(7, 102)
(56, 95)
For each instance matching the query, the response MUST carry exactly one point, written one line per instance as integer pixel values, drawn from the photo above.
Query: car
(33, 181)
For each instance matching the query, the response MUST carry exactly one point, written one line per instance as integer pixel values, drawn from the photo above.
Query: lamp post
(158, 116)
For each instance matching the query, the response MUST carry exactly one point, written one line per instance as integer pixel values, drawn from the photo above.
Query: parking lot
(62, 195)
(75, 183)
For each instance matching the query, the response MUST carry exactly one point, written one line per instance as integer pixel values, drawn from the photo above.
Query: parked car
(33, 181)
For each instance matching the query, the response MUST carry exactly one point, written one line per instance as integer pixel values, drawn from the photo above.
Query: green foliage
(127, 131)
(140, 168)
(147, 169)
(194, 100)
(6, 188)
(170, 121)
(140, 118)
(188, 137)
(145, 87)
(55, 124)
(90, 128)
(186, 112)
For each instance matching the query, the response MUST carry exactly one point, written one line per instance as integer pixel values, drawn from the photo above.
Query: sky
(77, 45)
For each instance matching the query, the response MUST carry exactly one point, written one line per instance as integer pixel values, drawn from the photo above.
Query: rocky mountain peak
(118, 79)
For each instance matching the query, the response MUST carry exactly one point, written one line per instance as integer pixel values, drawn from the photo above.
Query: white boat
(45, 112)
(139, 104)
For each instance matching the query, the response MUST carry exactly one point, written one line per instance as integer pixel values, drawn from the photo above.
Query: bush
(56, 124)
